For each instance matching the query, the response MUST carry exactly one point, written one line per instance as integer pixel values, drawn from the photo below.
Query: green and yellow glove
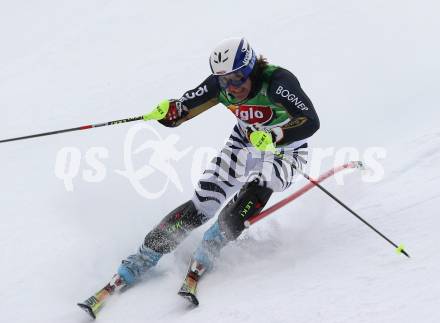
(168, 113)
(159, 112)
(262, 140)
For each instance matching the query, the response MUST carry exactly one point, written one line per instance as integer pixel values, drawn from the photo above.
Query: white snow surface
(372, 70)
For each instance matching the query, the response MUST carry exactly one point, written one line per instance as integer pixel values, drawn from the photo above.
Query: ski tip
(401, 250)
(190, 297)
(87, 309)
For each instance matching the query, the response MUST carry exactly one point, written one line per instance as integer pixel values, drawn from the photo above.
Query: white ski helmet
(233, 55)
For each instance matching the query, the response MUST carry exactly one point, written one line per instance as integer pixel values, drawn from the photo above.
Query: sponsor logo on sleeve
(196, 93)
(298, 122)
(281, 91)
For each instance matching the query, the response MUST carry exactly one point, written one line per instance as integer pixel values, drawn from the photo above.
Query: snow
(372, 71)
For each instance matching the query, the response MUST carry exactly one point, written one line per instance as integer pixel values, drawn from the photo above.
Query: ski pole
(262, 140)
(157, 114)
(301, 191)
(399, 248)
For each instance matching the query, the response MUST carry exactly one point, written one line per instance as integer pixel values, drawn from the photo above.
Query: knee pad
(174, 228)
(249, 202)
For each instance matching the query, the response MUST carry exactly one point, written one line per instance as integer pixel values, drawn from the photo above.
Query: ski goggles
(235, 79)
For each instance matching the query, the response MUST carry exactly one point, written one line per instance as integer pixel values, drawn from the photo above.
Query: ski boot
(94, 303)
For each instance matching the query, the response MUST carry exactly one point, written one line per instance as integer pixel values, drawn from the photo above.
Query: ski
(93, 304)
(189, 288)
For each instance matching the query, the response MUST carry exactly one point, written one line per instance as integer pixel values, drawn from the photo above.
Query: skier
(266, 99)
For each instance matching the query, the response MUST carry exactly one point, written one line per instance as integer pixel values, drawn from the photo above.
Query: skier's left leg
(248, 202)
(269, 174)
(230, 223)
(265, 174)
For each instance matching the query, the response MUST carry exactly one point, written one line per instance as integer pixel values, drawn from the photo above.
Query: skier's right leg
(161, 240)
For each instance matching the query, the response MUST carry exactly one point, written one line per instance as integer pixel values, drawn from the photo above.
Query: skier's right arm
(192, 103)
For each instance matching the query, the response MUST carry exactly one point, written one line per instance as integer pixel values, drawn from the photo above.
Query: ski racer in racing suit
(263, 97)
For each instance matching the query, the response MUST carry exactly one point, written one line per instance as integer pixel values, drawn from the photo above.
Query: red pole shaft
(301, 191)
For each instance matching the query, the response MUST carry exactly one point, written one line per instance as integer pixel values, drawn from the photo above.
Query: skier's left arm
(285, 90)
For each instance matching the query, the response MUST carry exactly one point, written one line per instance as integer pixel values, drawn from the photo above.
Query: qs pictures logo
(161, 153)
